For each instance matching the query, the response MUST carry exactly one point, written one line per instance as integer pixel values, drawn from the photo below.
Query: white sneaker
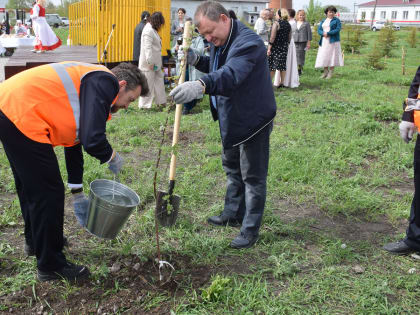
(324, 75)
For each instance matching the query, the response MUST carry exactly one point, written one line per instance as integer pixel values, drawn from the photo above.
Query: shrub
(352, 39)
(374, 59)
(315, 37)
(412, 37)
(387, 41)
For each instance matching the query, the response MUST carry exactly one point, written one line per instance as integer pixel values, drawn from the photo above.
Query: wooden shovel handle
(178, 110)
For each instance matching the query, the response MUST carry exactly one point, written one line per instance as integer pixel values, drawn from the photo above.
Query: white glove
(407, 130)
(192, 57)
(187, 91)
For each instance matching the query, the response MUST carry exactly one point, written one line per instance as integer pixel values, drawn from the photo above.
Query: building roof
(249, 1)
(390, 3)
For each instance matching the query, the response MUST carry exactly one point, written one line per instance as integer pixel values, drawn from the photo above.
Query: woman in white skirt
(329, 52)
(291, 79)
(45, 38)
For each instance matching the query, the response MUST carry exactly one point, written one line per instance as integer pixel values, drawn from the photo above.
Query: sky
(300, 4)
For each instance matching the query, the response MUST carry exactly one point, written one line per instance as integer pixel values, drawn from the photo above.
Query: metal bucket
(110, 205)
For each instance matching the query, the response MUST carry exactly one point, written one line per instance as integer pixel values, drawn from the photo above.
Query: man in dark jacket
(137, 36)
(408, 127)
(242, 99)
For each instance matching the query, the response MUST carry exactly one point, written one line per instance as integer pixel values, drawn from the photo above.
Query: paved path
(3, 61)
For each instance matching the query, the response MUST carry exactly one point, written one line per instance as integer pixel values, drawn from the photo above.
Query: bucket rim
(134, 203)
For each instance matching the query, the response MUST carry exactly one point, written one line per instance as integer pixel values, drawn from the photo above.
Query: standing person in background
(60, 104)
(409, 125)
(150, 62)
(45, 37)
(232, 15)
(242, 100)
(278, 45)
(145, 15)
(329, 51)
(260, 27)
(177, 27)
(291, 79)
(302, 39)
(192, 74)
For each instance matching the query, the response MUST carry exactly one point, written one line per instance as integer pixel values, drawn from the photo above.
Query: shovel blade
(167, 207)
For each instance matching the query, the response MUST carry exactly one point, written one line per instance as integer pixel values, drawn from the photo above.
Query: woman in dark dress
(279, 44)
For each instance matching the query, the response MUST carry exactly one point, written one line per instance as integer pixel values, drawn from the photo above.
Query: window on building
(363, 16)
(372, 15)
(255, 9)
(405, 15)
(394, 15)
(418, 15)
(383, 15)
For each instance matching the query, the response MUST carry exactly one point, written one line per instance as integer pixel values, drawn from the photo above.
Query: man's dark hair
(330, 8)
(292, 13)
(182, 9)
(145, 15)
(133, 76)
(232, 15)
(211, 10)
(157, 20)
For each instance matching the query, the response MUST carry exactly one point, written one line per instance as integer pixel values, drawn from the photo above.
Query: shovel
(167, 204)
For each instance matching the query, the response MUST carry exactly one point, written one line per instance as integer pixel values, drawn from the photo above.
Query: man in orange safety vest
(60, 104)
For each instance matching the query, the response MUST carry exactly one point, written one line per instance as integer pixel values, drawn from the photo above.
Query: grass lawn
(339, 187)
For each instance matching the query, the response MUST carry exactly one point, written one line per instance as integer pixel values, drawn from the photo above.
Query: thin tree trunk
(374, 14)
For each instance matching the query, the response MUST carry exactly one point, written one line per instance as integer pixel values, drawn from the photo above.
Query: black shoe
(243, 241)
(30, 251)
(71, 272)
(185, 111)
(398, 248)
(223, 220)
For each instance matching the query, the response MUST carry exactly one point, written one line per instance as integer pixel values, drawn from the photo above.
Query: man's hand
(81, 207)
(187, 91)
(192, 57)
(407, 130)
(116, 164)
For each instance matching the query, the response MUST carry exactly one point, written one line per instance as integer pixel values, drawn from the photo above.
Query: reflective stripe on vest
(71, 91)
(417, 113)
(43, 102)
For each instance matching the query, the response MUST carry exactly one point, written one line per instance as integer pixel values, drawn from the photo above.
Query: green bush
(352, 39)
(374, 59)
(412, 37)
(387, 41)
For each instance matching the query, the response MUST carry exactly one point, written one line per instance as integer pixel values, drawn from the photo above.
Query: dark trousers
(246, 168)
(41, 193)
(413, 231)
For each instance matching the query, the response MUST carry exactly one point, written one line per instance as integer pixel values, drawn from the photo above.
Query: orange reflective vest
(43, 102)
(417, 115)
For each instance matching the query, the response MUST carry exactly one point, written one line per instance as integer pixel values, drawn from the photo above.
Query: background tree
(387, 40)
(314, 12)
(340, 8)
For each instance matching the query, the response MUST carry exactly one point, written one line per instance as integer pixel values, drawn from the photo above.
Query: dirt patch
(129, 289)
(347, 228)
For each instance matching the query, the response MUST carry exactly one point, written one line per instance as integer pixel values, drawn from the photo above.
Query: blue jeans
(246, 168)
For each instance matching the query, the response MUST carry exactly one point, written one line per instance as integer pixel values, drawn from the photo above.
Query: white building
(247, 10)
(400, 12)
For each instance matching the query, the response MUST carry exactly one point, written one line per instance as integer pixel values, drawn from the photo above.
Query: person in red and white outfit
(45, 37)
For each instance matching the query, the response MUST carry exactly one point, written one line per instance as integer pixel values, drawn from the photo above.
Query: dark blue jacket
(242, 86)
(334, 33)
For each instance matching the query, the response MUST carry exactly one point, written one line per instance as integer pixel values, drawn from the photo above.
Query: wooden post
(403, 60)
